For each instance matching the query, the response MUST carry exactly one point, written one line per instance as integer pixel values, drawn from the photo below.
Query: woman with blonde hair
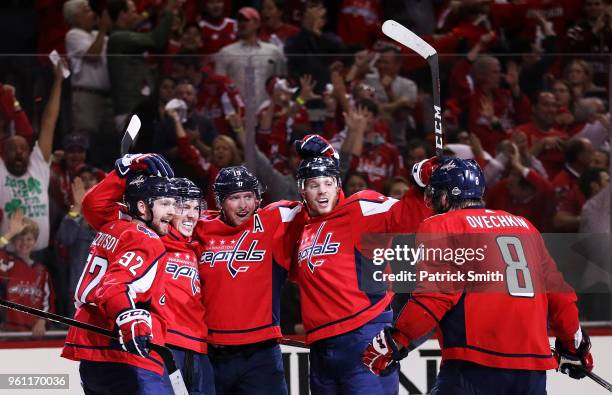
(579, 73)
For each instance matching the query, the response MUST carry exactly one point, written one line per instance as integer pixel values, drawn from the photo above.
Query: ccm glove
(381, 356)
(152, 164)
(135, 331)
(574, 361)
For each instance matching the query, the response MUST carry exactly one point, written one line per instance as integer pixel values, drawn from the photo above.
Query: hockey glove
(152, 164)
(574, 361)
(381, 356)
(135, 331)
(421, 171)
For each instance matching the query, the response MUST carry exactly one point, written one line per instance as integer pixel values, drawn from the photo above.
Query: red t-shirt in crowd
(26, 284)
(217, 36)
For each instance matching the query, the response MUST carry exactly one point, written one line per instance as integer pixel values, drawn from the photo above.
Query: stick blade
(130, 134)
(397, 32)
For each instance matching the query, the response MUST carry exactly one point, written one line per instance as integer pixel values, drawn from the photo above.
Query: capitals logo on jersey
(232, 255)
(310, 251)
(180, 265)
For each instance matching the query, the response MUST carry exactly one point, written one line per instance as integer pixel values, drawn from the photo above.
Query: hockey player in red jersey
(340, 313)
(244, 259)
(120, 279)
(493, 335)
(181, 303)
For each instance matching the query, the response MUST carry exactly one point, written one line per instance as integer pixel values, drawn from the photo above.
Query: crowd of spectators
(524, 89)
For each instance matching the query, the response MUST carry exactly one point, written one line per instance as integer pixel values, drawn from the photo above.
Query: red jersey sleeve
(291, 217)
(384, 214)
(100, 202)
(131, 272)
(423, 312)
(562, 310)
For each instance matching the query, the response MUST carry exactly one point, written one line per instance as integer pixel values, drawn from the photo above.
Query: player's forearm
(100, 202)
(414, 325)
(115, 301)
(563, 314)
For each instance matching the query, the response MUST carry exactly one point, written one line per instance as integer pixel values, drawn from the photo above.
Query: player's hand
(135, 331)
(152, 164)
(382, 355)
(574, 361)
(421, 171)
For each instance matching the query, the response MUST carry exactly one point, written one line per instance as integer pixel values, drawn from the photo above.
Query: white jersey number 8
(514, 266)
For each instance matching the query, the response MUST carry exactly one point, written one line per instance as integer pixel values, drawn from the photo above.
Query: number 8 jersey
(122, 272)
(488, 284)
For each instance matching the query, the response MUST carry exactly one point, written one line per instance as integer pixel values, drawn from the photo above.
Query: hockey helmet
(319, 159)
(235, 179)
(148, 189)
(460, 178)
(188, 190)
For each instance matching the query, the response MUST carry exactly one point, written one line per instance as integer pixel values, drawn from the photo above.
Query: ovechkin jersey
(181, 304)
(121, 272)
(500, 321)
(243, 269)
(330, 257)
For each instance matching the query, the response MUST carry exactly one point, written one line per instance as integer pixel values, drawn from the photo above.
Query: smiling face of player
(186, 216)
(239, 207)
(321, 195)
(160, 215)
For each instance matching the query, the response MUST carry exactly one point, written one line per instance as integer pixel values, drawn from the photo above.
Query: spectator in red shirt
(578, 156)
(25, 281)
(372, 155)
(273, 29)
(217, 30)
(545, 141)
(565, 118)
(492, 110)
(282, 120)
(524, 192)
(359, 22)
(217, 95)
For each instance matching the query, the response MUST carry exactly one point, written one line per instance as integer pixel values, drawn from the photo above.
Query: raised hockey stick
(402, 35)
(176, 378)
(131, 132)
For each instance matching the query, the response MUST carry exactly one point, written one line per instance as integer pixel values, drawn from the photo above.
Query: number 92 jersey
(121, 273)
(487, 280)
